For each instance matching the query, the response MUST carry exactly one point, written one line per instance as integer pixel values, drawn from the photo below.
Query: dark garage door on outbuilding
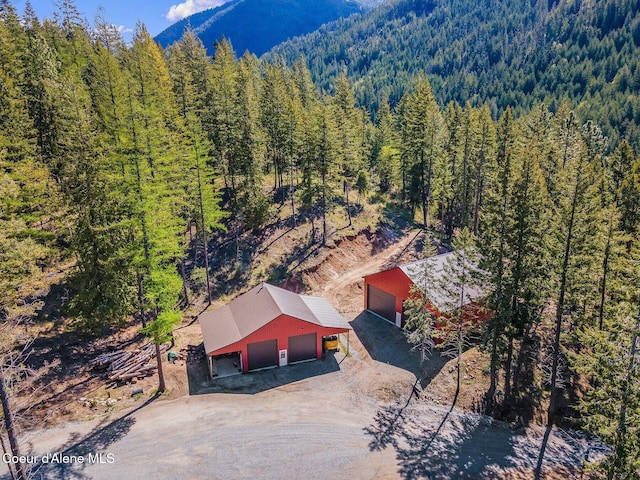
(382, 303)
(269, 327)
(302, 347)
(262, 354)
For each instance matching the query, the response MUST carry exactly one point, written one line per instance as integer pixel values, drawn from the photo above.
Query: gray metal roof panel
(326, 315)
(440, 298)
(219, 328)
(290, 303)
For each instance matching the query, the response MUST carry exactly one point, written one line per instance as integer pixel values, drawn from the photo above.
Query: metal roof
(259, 306)
(442, 298)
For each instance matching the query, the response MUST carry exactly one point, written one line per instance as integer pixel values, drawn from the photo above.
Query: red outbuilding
(385, 293)
(269, 327)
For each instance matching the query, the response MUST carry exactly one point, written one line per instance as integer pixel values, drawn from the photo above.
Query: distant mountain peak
(259, 25)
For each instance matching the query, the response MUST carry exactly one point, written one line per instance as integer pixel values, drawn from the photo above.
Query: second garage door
(382, 303)
(302, 347)
(262, 354)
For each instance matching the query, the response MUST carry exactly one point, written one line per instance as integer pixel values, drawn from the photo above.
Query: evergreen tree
(91, 138)
(528, 263)
(575, 227)
(422, 137)
(326, 161)
(190, 69)
(496, 222)
(484, 162)
(220, 117)
(421, 315)
(104, 278)
(250, 149)
(459, 277)
(106, 34)
(466, 182)
(42, 77)
(615, 169)
(621, 163)
(449, 176)
(309, 113)
(609, 356)
(21, 236)
(402, 129)
(629, 199)
(347, 151)
(275, 103)
(156, 172)
(385, 152)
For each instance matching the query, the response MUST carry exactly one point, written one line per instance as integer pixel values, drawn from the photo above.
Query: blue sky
(155, 14)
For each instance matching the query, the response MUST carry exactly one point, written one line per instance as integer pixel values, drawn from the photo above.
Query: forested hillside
(259, 25)
(126, 161)
(515, 53)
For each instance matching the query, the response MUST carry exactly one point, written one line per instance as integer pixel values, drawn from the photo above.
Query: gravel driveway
(335, 418)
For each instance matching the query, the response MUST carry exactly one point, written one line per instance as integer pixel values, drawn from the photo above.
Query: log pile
(125, 365)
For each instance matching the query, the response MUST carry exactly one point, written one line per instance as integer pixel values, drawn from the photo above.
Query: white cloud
(123, 29)
(189, 7)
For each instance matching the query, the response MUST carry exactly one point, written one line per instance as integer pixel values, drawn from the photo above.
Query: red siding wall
(393, 281)
(397, 283)
(280, 329)
(472, 314)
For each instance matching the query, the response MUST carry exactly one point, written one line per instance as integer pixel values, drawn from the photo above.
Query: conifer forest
(127, 165)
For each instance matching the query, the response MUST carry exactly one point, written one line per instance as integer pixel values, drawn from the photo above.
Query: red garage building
(385, 292)
(269, 327)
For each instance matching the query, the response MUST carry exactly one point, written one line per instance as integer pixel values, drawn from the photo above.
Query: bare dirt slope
(339, 278)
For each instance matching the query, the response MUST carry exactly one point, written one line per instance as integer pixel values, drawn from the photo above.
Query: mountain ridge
(506, 54)
(259, 25)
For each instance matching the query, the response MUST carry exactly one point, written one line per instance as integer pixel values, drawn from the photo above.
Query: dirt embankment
(338, 276)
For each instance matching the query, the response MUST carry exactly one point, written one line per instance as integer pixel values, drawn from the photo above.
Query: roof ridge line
(313, 314)
(273, 299)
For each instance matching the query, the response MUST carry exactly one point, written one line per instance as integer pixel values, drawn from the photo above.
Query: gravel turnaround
(327, 426)
(340, 417)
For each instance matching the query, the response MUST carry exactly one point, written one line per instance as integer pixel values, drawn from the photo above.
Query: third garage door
(262, 354)
(382, 303)
(302, 347)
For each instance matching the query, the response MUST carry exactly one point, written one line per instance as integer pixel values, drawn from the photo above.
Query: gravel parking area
(322, 419)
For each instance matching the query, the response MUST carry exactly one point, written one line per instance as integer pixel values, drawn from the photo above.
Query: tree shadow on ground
(398, 258)
(259, 381)
(386, 343)
(105, 434)
(442, 443)
(232, 260)
(63, 358)
(396, 217)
